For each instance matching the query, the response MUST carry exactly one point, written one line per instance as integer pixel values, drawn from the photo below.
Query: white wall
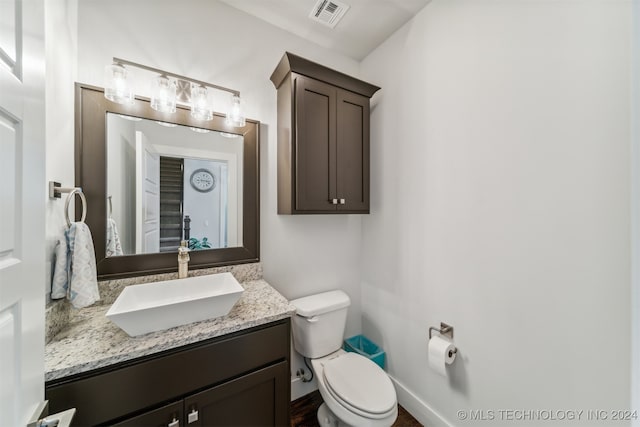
(204, 209)
(61, 70)
(500, 205)
(635, 211)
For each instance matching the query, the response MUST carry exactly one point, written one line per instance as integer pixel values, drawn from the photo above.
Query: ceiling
(365, 25)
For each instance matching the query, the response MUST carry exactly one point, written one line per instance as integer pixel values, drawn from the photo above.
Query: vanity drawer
(137, 386)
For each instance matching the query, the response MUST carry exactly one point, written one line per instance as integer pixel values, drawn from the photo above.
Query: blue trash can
(367, 348)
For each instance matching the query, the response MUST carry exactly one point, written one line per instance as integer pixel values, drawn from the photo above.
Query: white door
(147, 196)
(22, 207)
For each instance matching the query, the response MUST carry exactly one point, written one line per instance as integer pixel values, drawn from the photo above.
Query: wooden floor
(303, 413)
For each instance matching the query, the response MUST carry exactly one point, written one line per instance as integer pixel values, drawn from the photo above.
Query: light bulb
(235, 115)
(200, 106)
(163, 95)
(116, 84)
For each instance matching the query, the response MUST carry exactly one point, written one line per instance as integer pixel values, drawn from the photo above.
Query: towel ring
(84, 205)
(110, 206)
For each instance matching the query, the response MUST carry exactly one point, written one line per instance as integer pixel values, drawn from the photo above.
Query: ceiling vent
(328, 12)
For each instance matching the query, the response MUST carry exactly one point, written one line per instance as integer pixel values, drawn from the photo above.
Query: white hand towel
(114, 248)
(60, 283)
(78, 281)
(83, 289)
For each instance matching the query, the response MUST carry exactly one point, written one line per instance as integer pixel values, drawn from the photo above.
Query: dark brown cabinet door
(315, 112)
(167, 416)
(257, 399)
(352, 152)
(332, 148)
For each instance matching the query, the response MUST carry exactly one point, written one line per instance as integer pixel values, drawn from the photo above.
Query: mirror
(217, 167)
(166, 184)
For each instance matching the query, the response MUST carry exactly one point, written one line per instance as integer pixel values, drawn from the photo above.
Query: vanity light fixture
(169, 88)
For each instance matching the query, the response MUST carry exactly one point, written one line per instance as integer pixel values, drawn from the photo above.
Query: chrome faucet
(183, 260)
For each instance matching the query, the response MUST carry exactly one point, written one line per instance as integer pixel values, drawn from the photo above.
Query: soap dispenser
(183, 260)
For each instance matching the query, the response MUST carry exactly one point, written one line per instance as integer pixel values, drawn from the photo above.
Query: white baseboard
(420, 410)
(299, 388)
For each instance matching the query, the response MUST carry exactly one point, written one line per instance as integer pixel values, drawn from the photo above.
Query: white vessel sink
(151, 307)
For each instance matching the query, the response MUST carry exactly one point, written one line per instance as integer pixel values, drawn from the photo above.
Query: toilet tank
(318, 326)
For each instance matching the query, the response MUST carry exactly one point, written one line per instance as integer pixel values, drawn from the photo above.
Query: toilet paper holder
(445, 330)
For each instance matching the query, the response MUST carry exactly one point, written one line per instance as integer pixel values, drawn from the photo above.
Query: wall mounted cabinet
(323, 139)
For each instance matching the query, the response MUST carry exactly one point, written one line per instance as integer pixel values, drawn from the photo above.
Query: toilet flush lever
(312, 319)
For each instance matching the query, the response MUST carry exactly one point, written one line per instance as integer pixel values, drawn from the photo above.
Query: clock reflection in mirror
(203, 180)
(173, 184)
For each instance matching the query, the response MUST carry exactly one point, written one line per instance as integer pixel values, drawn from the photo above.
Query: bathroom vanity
(233, 370)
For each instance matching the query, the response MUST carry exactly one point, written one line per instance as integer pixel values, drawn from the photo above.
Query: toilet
(356, 391)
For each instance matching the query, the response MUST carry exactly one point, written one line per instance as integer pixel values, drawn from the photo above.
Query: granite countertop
(92, 341)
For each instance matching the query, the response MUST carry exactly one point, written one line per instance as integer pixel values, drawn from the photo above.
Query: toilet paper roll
(441, 353)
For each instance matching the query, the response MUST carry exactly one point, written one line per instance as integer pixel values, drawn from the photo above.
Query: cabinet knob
(192, 417)
(342, 201)
(174, 423)
(334, 201)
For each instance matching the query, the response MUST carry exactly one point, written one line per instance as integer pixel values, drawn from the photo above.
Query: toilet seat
(360, 385)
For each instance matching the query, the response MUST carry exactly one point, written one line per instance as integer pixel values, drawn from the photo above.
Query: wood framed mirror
(94, 117)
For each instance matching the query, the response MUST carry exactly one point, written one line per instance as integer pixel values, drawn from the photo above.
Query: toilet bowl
(356, 391)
